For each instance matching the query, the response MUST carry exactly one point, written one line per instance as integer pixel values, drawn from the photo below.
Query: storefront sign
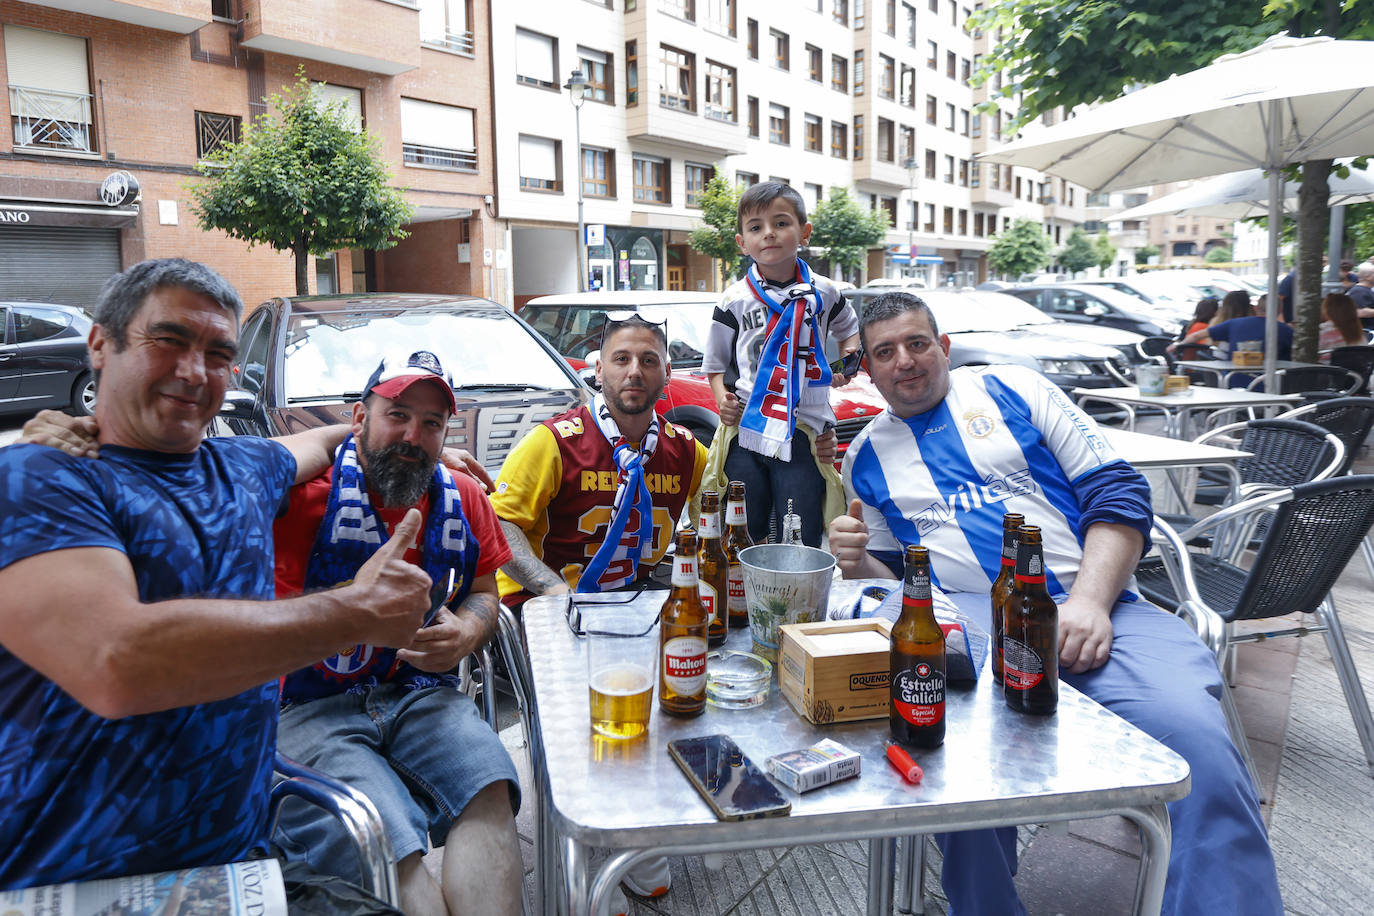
(14, 216)
(118, 189)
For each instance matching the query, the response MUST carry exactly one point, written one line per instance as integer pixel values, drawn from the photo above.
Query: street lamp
(910, 163)
(577, 87)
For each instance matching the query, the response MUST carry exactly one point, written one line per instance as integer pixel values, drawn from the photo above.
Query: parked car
(43, 358)
(573, 322)
(1089, 304)
(303, 362)
(1159, 293)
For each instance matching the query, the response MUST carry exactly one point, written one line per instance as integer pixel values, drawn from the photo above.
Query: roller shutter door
(52, 264)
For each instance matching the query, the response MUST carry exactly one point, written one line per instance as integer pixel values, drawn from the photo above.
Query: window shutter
(432, 124)
(537, 159)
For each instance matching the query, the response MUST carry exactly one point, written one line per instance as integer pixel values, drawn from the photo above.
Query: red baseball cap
(394, 376)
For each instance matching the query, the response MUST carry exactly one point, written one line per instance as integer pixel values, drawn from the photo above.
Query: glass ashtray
(736, 680)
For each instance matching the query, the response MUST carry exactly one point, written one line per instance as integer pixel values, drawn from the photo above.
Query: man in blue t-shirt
(138, 671)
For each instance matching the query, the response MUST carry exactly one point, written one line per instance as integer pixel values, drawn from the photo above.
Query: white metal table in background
(1223, 369)
(1179, 407)
(1145, 452)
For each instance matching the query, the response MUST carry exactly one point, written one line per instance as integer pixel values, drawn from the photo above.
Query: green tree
(846, 230)
(302, 180)
(1218, 255)
(1066, 54)
(715, 237)
(1145, 252)
(1104, 252)
(1078, 253)
(1021, 249)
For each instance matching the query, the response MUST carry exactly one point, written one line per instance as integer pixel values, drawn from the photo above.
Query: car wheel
(83, 396)
(703, 434)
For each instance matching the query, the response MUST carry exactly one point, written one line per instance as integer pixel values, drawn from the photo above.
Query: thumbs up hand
(849, 540)
(394, 592)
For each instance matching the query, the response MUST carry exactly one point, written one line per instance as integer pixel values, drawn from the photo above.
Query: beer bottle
(1001, 586)
(791, 526)
(682, 636)
(917, 707)
(713, 569)
(736, 539)
(1030, 633)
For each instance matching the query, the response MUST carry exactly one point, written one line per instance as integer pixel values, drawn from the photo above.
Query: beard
(397, 483)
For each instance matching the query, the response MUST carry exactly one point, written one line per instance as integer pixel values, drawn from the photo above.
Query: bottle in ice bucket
(713, 569)
(791, 526)
(1030, 633)
(1001, 586)
(736, 539)
(682, 636)
(917, 706)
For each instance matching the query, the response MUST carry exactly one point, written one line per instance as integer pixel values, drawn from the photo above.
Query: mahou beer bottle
(713, 569)
(736, 539)
(1001, 586)
(917, 707)
(682, 636)
(1030, 633)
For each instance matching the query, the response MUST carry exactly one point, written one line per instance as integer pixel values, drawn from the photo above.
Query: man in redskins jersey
(589, 499)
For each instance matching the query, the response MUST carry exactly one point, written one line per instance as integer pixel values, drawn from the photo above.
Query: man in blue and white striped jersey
(954, 451)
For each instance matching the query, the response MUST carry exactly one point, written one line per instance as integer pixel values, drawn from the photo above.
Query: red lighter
(899, 758)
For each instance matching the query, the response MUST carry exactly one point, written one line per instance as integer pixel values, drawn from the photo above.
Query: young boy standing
(765, 358)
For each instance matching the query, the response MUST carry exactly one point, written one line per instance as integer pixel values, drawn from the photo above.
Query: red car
(573, 322)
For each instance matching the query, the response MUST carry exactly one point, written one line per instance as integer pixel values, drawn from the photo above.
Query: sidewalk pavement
(1319, 791)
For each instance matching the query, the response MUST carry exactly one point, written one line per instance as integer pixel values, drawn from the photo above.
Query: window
(631, 74)
(32, 324)
(974, 169)
(720, 17)
(889, 206)
(839, 73)
(965, 70)
(963, 173)
(747, 179)
(928, 223)
(953, 13)
(976, 126)
(446, 24)
(963, 222)
(858, 72)
(815, 61)
(949, 220)
(753, 117)
(50, 90)
(932, 55)
(214, 131)
(978, 225)
(779, 124)
(344, 100)
(536, 59)
(597, 70)
(541, 163)
(890, 19)
(858, 137)
(651, 180)
(949, 116)
(813, 133)
(886, 146)
(930, 163)
(696, 177)
(682, 9)
(910, 12)
(839, 11)
(912, 222)
(932, 109)
(782, 55)
(752, 38)
(678, 89)
(908, 146)
(839, 140)
(951, 62)
(934, 5)
(598, 172)
(858, 14)
(949, 170)
(997, 125)
(720, 92)
(813, 195)
(887, 76)
(438, 136)
(222, 9)
(908, 87)
(963, 121)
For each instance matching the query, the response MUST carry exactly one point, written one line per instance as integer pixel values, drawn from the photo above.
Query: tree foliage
(302, 180)
(1145, 252)
(1020, 250)
(715, 237)
(1218, 255)
(843, 227)
(1078, 253)
(1104, 251)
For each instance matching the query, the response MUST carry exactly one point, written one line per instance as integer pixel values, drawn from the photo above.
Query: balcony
(47, 120)
(182, 16)
(384, 40)
(438, 157)
(982, 193)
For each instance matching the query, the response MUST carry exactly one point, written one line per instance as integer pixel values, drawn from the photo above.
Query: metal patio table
(996, 768)
(1223, 369)
(1145, 452)
(1179, 406)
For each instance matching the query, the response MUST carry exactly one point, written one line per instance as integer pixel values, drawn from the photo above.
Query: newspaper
(240, 889)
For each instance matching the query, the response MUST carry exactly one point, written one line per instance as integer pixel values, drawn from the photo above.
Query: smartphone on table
(732, 784)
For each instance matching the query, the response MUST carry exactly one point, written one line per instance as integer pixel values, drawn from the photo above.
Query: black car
(303, 362)
(1091, 304)
(43, 358)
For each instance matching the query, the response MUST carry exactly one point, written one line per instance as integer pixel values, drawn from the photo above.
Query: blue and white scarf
(788, 360)
(631, 495)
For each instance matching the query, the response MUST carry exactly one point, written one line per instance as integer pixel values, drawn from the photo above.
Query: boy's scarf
(350, 532)
(770, 419)
(631, 493)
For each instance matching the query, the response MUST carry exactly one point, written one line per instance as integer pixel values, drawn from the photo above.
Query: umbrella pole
(1271, 313)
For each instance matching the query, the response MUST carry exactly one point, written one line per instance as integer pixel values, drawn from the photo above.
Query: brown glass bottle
(713, 569)
(917, 706)
(736, 539)
(1001, 586)
(682, 636)
(1030, 633)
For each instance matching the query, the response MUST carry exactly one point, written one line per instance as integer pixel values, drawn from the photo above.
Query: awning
(25, 213)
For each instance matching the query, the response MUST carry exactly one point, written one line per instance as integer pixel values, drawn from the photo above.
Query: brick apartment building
(122, 97)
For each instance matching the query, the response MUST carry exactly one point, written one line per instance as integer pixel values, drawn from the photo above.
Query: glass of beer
(622, 650)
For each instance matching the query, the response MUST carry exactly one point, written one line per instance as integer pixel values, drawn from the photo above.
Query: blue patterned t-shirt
(82, 796)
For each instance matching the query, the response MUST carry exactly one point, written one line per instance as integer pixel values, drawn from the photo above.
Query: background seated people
(1204, 315)
(1340, 325)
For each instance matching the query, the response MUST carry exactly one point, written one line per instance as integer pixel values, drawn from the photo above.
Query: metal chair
(1315, 530)
(1314, 381)
(1156, 349)
(1358, 359)
(1349, 419)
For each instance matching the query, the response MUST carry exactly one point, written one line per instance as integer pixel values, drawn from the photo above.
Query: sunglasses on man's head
(619, 318)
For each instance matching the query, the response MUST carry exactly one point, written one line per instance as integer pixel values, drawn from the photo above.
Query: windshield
(575, 331)
(957, 313)
(331, 355)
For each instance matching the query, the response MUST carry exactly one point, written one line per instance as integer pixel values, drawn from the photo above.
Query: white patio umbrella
(1242, 195)
(1286, 101)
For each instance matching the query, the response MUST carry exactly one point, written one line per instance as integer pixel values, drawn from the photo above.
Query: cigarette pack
(812, 767)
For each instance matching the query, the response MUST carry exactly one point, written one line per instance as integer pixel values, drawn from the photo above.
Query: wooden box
(1248, 358)
(835, 670)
